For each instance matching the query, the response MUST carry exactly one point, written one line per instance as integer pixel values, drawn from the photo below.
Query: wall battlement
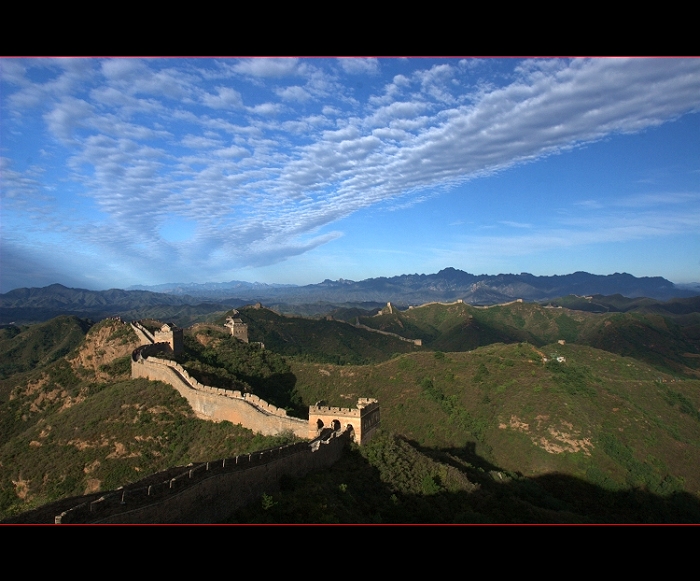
(335, 411)
(144, 335)
(169, 334)
(365, 401)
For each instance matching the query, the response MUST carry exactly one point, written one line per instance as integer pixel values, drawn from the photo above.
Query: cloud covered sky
(116, 172)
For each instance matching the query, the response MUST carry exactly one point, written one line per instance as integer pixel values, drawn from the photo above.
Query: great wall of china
(210, 492)
(217, 404)
(213, 403)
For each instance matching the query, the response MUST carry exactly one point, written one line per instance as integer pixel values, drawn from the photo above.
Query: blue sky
(117, 172)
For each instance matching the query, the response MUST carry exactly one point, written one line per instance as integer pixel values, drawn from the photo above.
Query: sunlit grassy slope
(612, 420)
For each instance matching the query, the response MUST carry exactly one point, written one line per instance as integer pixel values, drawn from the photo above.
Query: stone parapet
(334, 411)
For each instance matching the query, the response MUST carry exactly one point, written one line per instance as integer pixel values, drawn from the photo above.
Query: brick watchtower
(239, 329)
(364, 419)
(171, 334)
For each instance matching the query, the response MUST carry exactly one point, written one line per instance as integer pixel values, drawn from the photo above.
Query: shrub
(430, 391)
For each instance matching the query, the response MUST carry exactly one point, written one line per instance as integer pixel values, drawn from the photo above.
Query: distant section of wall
(214, 403)
(204, 326)
(359, 325)
(499, 304)
(457, 302)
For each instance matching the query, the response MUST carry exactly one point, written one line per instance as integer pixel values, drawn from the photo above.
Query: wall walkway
(144, 335)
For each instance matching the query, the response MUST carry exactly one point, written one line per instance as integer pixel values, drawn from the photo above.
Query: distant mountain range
(447, 285)
(450, 284)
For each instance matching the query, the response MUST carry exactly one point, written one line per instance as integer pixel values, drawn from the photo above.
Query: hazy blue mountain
(27, 305)
(450, 284)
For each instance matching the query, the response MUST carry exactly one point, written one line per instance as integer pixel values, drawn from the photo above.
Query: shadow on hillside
(394, 481)
(456, 457)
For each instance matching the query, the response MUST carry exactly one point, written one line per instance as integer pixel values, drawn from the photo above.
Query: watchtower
(239, 329)
(364, 419)
(171, 334)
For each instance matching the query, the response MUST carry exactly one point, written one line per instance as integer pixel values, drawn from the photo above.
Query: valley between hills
(570, 410)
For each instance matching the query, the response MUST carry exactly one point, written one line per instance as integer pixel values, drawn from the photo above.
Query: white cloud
(585, 230)
(234, 152)
(295, 93)
(261, 187)
(266, 109)
(512, 224)
(384, 116)
(471, 63)
(123, 69)
(200, 142)
(134, 76)
(67, 116)
(226, 98)
(644, 200)
(267, 67)
(360, 66)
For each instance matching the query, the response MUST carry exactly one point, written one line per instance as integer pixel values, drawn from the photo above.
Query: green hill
(212, 357)
(23, 349)
(610, 420)
(659, 340)
(117, 434)
(319, 340)
(511, 413)
(80, 425)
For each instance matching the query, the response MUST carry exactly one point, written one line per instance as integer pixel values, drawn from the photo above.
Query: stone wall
(457, 302)
(208, 492)
(214, 403)
(142, 333)
(417, 342)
